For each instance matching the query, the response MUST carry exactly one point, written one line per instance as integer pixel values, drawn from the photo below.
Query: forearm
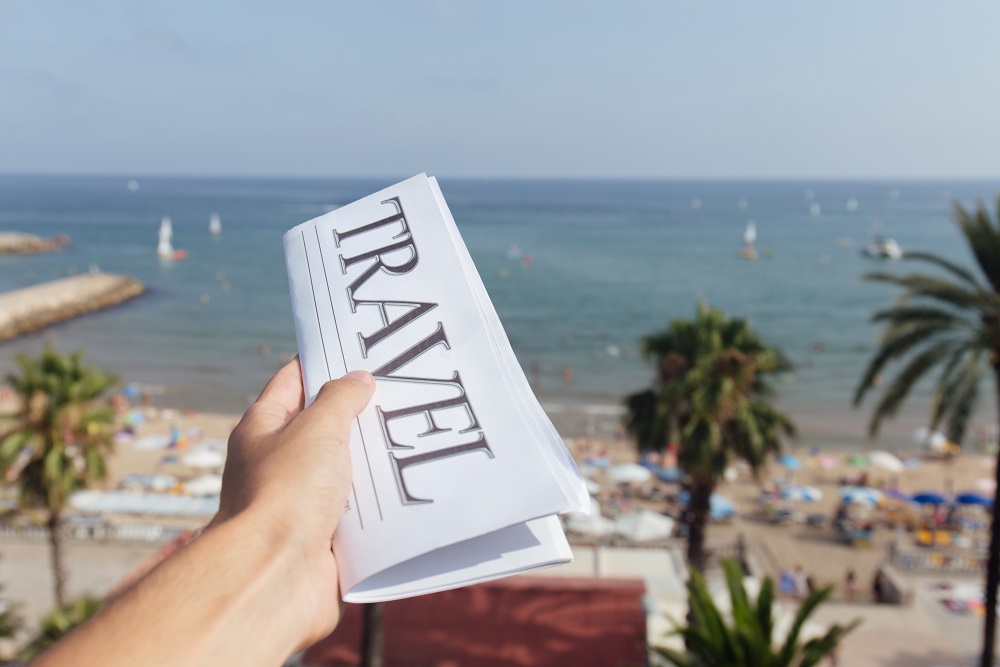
(224, 599)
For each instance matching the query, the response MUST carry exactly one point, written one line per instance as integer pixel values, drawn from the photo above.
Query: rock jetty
(18, 243)
(32, 308)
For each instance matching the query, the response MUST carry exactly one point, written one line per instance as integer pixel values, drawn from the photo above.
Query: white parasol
(644, 525)
(629, 473)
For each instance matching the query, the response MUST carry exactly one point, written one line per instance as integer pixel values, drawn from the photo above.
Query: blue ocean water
(607, 263)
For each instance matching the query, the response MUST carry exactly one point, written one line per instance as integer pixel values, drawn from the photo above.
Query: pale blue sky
(511, 88)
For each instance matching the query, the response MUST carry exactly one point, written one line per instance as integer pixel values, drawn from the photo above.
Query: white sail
(215, 225)
(165, 248)
(750, 235)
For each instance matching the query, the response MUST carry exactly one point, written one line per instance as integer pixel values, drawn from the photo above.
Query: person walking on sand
(851, 585)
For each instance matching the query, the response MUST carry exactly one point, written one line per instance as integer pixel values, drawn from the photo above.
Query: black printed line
(319, 322)
(322, 340)
(364, 445)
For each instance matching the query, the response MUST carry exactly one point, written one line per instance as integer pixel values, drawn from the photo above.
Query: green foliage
(61, 436)
(711, 395)
(10, 619)
(747, 638)
(60, 622)
(947, 322)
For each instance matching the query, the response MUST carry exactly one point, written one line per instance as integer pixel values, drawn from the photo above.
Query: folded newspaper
(458, 474)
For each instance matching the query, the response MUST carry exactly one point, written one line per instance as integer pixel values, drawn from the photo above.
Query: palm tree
(711, 395)
(949, 320)
(748, 639)
(59, 440)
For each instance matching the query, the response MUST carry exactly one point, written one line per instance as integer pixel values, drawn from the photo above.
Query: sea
(579, 272)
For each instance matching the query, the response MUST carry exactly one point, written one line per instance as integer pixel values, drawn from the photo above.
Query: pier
(29, 309)
(18, 243)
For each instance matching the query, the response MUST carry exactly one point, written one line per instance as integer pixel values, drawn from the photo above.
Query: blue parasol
(928, 498)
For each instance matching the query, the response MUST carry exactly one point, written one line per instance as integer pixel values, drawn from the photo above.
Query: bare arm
(261, 582)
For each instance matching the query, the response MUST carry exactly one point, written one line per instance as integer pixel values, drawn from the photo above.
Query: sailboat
(881, 247)
(749, 239)
(215, 225)
(165, 249)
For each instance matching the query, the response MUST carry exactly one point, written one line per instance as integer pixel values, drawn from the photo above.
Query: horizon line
(549, 178)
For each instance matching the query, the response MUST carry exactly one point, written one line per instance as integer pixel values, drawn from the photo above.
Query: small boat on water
(165, 248)
(882, 247)
(749, 239)
(215, 225)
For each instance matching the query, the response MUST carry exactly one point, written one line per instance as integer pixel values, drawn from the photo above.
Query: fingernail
(361, 376)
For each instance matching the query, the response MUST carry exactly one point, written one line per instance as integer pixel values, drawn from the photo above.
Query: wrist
(295, 576)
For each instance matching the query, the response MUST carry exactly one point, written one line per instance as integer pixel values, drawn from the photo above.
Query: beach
(610, 262)
(97, 568)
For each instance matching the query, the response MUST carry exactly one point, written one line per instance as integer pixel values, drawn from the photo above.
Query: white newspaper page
(458, 474)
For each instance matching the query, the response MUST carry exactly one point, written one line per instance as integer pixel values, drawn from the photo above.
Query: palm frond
(905, 380)
(958, 271)
(897, 341)
(907, 314)
(919, 285)
(983, 239)
(962, 401)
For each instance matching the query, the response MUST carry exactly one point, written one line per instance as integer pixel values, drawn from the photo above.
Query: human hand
(289, 469)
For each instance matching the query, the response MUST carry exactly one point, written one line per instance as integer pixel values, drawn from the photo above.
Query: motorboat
(882, 247)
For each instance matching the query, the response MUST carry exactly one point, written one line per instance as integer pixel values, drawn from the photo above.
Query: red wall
(523, 621)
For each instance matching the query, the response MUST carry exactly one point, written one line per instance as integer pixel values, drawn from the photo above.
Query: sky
(504, 89)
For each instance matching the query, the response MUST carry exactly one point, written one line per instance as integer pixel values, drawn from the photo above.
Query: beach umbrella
(986, 484)
(935, 440)
(203, 458)
(970, 498)
(669, 475)
(789, 462)
(206, 485)
(859, 460)
(720, 507)
(928, 498)
(860, 495)
(644, 525)
(899, 495)
(628, 473)
(802, 493)
(153, 442)
(826, 462)
(592, 524)
(601, 462)
(886, 461)
(160, 482)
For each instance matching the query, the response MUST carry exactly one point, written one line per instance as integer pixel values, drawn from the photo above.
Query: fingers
(285, 388)
(340, 401)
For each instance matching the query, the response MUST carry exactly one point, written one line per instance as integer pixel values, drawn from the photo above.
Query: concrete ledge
(32, 308)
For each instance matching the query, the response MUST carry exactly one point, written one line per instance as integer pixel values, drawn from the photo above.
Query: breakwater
(17, 243)
(32, 308)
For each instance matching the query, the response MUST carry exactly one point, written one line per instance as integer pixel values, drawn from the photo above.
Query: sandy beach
(96, 568)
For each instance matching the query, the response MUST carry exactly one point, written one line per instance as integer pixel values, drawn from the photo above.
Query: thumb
(340, 401)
